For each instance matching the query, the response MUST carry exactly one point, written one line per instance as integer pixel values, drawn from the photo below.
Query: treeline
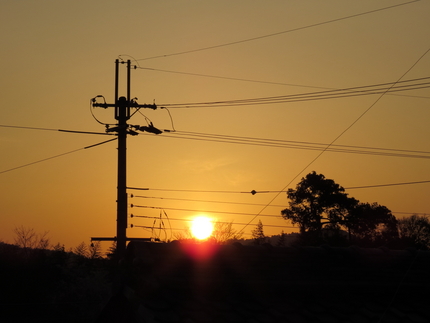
(324, 213)
(52, 285)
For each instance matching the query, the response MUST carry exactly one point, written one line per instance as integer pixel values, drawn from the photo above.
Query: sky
(58, 55)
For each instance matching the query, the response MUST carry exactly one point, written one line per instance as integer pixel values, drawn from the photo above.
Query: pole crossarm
(115, 239)
(132, 104)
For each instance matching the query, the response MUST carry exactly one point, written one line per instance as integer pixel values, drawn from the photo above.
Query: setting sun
(201, 227)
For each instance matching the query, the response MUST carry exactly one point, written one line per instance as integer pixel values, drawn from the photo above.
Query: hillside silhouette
(40, 285)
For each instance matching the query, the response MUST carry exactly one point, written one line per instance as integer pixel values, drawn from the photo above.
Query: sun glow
(201, 227)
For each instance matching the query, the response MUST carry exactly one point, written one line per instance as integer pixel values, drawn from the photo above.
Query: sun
(201, 227)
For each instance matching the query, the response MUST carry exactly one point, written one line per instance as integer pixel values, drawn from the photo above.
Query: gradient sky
(57, 55)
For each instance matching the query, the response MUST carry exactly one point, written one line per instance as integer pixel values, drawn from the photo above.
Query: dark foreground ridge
(233, 283)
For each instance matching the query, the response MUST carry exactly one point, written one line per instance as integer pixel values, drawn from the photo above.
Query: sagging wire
(52, 157)
(171, 120)
(170, 225)
(153, 230)
(148, 121)
(162, 226)
(93, 100)
(132, 58)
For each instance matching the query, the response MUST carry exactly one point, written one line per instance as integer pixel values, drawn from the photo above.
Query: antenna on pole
(122, 114)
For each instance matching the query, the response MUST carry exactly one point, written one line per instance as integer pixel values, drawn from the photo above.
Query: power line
(180, 190)
(384, 185)
(190, 220)
(304, 145)
(51, 129)
(56, 156)
(230, 78)
(252, 204)
(205, 201)
(253, 192)
(340, 135)
(257, 81)
(200, 211)
(276, 33)
(380, 88)
(278, 143)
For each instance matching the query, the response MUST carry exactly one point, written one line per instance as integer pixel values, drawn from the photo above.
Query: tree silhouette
(372, 222)
(81, 250)
(112, 253)
(317, 201)
(223, 232)
(281, 240)
(258, 234)
(414, 231)
(95, 250)
(28, 238)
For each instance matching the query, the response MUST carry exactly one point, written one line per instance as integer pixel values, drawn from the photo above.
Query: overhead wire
(253, 192)
(276, 33)
(252, 204)
(304, 145)
(278, 143)
(226, 222)
(337, 137)
(258, 81)
(204, 201)
(147, 228)
(385, 185)
(60, 130)
(56, 156)
(231, 78)
(374, 89)
(199, 211)
(179, 190)
(272, 205)
(92, 113)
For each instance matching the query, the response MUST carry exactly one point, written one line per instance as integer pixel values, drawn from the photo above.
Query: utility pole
(122, 114)
(122, 107)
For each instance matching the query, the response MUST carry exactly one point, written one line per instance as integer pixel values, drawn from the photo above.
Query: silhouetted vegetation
(50, 285)
(223, 233)
(257, 233)
(27, 238)
(326, 214)
(414, 231)
(47, 282)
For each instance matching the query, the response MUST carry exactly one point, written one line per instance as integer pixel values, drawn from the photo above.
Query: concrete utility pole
(122, 107)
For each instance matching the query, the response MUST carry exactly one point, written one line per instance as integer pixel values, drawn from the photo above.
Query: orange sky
(56, 56)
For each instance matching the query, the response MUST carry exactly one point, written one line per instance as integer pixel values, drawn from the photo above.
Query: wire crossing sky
(276, 33)
(341, 134)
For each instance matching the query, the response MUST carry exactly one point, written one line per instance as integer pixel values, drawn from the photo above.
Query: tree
(258, 234)
(95, 250)
(223, 232)
(414, 231)
(281, 240)
(27, 238)
(317, 201)
(112, 252)
(184, 234)
(372, 222)
(59, 247)
(81, 250)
